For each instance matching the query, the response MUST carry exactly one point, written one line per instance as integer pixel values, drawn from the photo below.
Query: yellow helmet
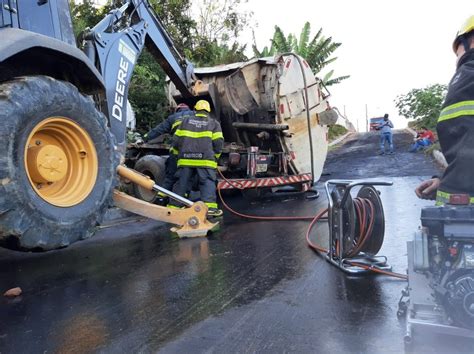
(202, 105)
(467, 27)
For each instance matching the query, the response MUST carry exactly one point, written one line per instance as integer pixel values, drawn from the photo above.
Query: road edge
(437, 155)
(338, 140)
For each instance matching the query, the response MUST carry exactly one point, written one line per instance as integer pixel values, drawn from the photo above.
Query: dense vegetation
(422, 106)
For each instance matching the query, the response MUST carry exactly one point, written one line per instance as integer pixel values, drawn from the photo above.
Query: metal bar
(362, 182)
(350, 184)
(172, 195)
(147, 183)
(340, 230)
(259, 126)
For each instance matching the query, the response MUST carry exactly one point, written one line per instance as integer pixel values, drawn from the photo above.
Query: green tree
(86, 15)
(148, 86)
(221, 20)
(423, 106)
(218, 26)
(211, 53)
(147, 93)
(176, 17)
(318, 51)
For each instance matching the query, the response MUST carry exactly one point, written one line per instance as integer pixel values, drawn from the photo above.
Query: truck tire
(57, 164)
(153, 167)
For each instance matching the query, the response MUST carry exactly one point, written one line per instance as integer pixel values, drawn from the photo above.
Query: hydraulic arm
(115, 44)
(192, 221)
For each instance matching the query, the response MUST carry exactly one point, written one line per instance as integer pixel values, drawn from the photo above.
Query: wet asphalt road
(252, 287)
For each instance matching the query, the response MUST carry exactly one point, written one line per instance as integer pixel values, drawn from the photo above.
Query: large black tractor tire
(154, 167)
(33, 218)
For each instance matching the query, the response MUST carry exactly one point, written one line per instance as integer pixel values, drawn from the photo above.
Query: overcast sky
(388, 47)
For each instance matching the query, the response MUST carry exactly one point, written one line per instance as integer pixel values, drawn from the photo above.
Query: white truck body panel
(271, 91)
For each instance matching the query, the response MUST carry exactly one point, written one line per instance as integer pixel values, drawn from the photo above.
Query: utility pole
(366, 119)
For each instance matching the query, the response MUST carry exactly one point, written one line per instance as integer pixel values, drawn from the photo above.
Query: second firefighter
(199, 142)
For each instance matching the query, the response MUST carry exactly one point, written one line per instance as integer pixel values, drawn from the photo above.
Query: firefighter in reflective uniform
(199, 143)
(456, 128)
(169, 126)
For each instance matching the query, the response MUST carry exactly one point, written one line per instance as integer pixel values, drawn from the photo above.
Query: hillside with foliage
(422, 106)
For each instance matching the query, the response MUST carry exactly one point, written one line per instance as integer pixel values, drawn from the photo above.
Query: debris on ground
(13, 292)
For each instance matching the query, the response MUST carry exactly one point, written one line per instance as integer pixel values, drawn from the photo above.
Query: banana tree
(318, 51)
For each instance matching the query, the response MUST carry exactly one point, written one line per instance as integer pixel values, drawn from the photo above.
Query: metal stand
(342, 227)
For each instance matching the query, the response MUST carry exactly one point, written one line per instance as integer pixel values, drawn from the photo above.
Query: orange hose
(314, 221)
(381, 271)
(255, 217)
(355, 264)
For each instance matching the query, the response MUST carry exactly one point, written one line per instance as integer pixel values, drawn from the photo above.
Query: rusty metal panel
(269, 82)
(296, 102)
(238, 93)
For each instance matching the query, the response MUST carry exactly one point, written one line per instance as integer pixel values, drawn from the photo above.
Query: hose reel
(356, 226)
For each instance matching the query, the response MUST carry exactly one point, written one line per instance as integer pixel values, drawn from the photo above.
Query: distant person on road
(424, 138)
(385, 129)
(456, 128)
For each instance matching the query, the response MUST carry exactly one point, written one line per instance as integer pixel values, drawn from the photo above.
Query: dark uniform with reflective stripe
(169, 126)
(199, 142)
(456, 132)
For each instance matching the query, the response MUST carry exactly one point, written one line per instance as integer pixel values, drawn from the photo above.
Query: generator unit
(440, 292)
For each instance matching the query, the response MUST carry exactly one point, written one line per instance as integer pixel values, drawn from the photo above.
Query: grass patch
(431, 148)
(335, 131)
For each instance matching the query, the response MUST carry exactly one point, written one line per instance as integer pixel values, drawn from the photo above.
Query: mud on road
(358, 157)
(253, 287)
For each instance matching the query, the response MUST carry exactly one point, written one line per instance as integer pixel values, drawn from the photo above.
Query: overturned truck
(274, 115)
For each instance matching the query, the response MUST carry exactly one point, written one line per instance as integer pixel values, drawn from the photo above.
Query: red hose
(238, 185)
(363, 213)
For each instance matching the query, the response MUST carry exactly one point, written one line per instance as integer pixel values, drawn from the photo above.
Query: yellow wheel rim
(61, 161)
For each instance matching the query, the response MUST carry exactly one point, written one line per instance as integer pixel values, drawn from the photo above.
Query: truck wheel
(57, 164)
(153, 167)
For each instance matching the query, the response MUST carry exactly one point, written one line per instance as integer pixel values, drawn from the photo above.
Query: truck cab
(374, 122)
(47, 17)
